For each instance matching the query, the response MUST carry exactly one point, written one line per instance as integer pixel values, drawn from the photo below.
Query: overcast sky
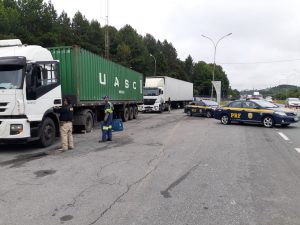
(262, 31)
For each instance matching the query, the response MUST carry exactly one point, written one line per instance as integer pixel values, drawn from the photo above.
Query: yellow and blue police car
(202, 108)
(255, 111)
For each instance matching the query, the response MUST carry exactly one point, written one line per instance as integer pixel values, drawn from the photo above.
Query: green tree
(80, 27)
(64, 30)
(189, 67)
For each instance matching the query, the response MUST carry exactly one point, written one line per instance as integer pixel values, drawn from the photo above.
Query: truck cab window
(11, 77)
(44, 77)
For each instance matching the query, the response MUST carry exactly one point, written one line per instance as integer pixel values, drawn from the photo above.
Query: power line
(261, 62)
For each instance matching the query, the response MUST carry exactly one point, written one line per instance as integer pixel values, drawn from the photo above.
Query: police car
(202, 108)
(255, 111)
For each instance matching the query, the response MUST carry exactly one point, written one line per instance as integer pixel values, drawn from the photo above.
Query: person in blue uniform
(107, 123)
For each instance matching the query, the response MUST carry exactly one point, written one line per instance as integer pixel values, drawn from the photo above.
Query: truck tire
(48, 132)
(135, 112)
(125, 114)
(88, 123)
(189, 113)
(130, 117)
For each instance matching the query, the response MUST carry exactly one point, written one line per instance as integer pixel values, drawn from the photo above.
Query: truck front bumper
(150, 108)
(8, 131)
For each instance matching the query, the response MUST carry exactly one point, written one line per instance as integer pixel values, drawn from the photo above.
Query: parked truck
(34, 79)
(162, 92)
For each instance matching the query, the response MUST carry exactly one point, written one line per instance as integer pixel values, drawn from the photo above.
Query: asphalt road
(162, 169)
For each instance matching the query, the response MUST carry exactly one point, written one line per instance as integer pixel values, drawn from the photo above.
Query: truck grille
(3, 103)
(149, 101)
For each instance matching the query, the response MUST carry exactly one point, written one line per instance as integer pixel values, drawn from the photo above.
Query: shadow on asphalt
(25, 148)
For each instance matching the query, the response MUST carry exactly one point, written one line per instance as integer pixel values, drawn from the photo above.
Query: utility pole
(106, 43)
(154, 64)
(215, 52)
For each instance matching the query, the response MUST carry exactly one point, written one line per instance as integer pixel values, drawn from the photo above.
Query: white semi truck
(162, 92)
(26, 102)
(32, 83)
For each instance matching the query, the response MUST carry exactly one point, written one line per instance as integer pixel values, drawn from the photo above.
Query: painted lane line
(297, 149)
(283, 136)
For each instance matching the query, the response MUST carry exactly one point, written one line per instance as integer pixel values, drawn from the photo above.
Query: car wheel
(225, 119)
(209, 114)
(268, 121)
(189, 113)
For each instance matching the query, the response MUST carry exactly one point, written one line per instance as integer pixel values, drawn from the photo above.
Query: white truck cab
(29, 89)
(162, 92)
(154, 99)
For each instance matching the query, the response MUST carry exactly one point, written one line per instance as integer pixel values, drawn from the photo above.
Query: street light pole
(154, 64)
(215, 52)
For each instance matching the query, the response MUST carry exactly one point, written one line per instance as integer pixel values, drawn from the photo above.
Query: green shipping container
(87, 77)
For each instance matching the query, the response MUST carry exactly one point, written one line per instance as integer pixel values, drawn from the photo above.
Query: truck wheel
(125, 114)
(189, 113)
(268, 121)
(130, 117)
(88, 122)
(48, 132)
(135, 112)
(225, 119)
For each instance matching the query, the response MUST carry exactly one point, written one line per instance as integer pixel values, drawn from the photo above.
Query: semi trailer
(163, 93)
(34, 79)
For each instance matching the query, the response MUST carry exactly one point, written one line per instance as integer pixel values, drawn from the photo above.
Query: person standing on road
(66, 126)
(107, 123)
(169, 104)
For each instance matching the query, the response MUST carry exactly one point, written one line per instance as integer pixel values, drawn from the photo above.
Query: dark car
(202, 108)
(255, 111)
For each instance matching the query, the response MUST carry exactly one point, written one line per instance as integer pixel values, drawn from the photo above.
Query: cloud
(263, 30)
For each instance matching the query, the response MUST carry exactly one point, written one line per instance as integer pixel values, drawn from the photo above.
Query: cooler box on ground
(117, 125)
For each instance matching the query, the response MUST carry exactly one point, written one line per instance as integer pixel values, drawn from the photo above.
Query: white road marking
(297, 149)
(283, 136)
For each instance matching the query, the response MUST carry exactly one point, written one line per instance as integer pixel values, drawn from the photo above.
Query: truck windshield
(151, 91)
(11, 77)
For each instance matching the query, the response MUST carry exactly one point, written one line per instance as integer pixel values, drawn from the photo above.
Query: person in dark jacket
(107, 123)
(66, 126)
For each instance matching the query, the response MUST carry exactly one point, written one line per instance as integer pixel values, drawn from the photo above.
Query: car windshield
(10, 77)
(210, 103)
(265, 104)
(294, 99)
(151, 92)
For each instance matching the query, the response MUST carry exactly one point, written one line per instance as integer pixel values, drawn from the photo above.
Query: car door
(235, 111)
(251, 112)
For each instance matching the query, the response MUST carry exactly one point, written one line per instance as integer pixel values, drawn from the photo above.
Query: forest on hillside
(282, 91)
(37, 22)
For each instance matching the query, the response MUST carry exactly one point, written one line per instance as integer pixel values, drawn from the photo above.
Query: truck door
(42, 89)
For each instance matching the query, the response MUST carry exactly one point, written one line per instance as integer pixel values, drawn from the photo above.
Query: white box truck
(162, 92)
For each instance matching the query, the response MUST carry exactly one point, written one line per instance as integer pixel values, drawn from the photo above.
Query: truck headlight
(280, 113)
(16, 129)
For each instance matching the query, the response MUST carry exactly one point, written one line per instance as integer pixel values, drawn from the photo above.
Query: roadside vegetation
(36, 22)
